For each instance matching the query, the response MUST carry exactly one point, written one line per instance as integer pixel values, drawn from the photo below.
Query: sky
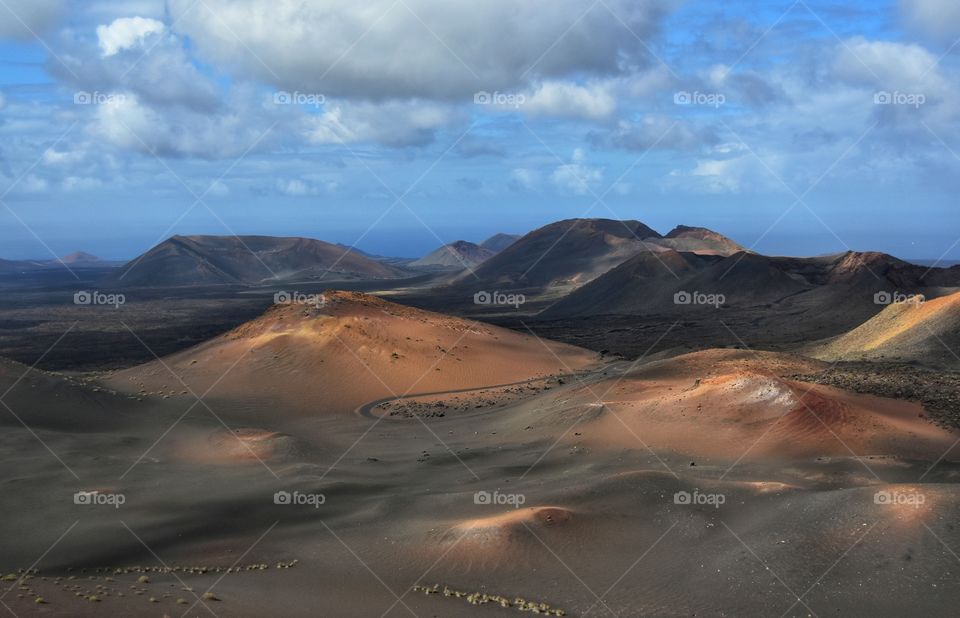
(796, 128)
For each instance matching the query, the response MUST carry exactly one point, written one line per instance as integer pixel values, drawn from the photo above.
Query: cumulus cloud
(522, 179)
(126, 122)
(409, 123)
(295, 187)
(218, 189)
(306, 185)
(24, 19)
(125, 33)
(32, 184)
(885, 64)
(166, 76)
(654, 132)
(379, 49)
(744, 86)
(60, 158)
(566, 99)
(729, 175)
(937, 18)
(81, 183)
(577, 176)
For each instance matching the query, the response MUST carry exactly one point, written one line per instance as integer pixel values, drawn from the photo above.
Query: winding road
(366, 410)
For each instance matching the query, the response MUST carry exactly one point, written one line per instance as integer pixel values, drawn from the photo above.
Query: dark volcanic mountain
(460, 254)
(74, 261)
(842, 290)
(566, 253)
(12, 266)
(499, 242)
(699, 240)
(79, 258)
(915, 331)
(247, 260)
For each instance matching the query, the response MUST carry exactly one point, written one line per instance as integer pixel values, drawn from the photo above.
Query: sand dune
(51, 401)
(738, 458)
(495, 533)
(720, 404)
(352, 350)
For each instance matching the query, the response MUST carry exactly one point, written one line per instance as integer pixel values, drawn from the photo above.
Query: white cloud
(566, 99)
(648, 84)
(81, 183)
(418, 48)
(524, 179)
(939, 18)
(218, 189)
(411, 123)
(654, 133)
(720, 176)
(295, 187)
(101, 11)
(32, 184)
(126, 122)
(56, 157)
(306, 185)
(887, 65)
(125, 33)
(731, 175)
(576, 175)
(25, 19)
(3, 101)
(166, 75)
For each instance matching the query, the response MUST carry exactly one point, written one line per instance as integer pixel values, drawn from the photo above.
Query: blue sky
(797, 128)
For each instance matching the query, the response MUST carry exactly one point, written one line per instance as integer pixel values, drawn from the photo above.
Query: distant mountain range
(247, 260)
(457, 255)
(77, 260)
(465, 255)
(583, 267)
(848, 286)
(573, 252)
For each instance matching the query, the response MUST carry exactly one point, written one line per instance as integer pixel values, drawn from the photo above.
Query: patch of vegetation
(482, 598)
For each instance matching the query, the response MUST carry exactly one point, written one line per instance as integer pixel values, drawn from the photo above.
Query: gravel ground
(938, 391)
